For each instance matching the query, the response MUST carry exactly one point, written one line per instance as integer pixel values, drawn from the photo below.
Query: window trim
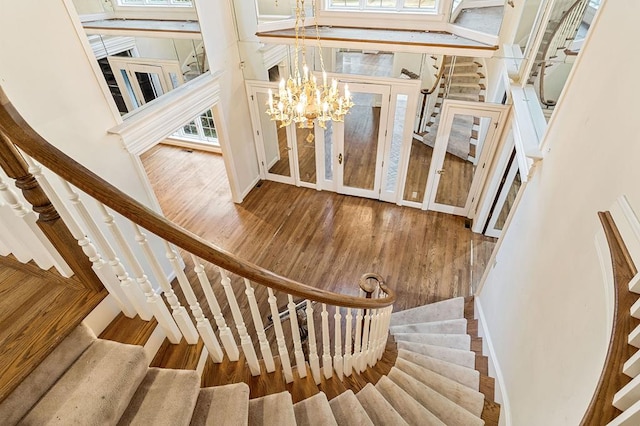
(155, 3)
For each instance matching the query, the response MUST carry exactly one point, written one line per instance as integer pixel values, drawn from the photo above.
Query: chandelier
(302, 99)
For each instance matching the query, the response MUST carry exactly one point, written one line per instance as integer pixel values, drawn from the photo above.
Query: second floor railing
(238, 294)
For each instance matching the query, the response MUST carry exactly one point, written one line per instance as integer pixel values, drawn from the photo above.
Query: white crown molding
(153, 122)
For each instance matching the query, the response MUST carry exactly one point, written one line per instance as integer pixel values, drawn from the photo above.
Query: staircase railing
(616, 400)
(565, 30)
(428, 101)
(359, 337)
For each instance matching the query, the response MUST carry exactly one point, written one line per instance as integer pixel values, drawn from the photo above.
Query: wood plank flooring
(36, 314)
(320, 238)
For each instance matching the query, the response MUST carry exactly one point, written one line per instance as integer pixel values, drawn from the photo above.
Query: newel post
(49, 220)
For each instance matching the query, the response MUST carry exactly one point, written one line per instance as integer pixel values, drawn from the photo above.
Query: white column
(295, 334)
(226, 336)
(326, 349)
(245, 340)
(314, 361)
(131, 292)
(265, 349)
(202, 323)
(282, 346)
(180, 314)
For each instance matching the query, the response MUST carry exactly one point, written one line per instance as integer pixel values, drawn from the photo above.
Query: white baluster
(282, 346)
(99, 265)
(226, 336)
(295, 334)
(326, 349)
(357, 351)
(185, 326)
(337, 339)
(385, 332)
(373, 338)
(364, 351)
(132, 293)
(141, 279)
(347, 343)
(202, 323)
(314, 361)
(39, 255)
(245, 340)
(265, 349)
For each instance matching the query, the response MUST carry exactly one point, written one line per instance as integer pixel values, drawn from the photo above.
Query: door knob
(440, 172)
(340, 158)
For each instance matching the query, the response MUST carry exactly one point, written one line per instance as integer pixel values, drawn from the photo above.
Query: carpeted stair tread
(96, 389)
(456, 326)
(454, 356)
(379, 410)
(447, 411)
(348, 411)
(42, 378)
(453, 341)
(471, 400)
(272, 410)
(314, 410)
(226, 405)
(445, 310)
(411, 410)
(468, 377)
(165, 397)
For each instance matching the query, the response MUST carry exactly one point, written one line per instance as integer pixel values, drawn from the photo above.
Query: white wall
(52, 79)
(544, 299)
(220, 40)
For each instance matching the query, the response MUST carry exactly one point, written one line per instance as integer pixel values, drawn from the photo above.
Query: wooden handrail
(438, 78)
(601, 410)
(28, 140)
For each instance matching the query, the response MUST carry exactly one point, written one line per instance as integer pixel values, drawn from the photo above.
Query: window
(187, 3)
(595, 3)
(202, 129)
(383, 5)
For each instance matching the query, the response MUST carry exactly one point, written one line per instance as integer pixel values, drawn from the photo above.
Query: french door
(142, 80)
(361, 141)
(463, 151)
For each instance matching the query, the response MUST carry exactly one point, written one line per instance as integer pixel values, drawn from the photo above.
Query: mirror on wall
(477, 15)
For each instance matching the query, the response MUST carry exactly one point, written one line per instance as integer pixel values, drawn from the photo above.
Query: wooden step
(491, 413)
(132, 331)
(180, 357)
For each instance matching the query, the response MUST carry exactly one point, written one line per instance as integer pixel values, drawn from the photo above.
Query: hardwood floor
(418, 171)
(36, 313)
(320, 238)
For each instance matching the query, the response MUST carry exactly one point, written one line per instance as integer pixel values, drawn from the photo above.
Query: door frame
(450, 108)
(383, 141)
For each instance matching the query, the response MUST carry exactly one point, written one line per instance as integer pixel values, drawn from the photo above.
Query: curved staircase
(434, 381)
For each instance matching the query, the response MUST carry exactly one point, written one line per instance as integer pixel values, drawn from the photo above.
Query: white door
(505, 198)
(361, 140)
(463, 151)
(273, 143)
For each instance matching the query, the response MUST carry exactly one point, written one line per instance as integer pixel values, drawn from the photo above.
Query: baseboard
(102, 315)
(248, 189)
(501, 396)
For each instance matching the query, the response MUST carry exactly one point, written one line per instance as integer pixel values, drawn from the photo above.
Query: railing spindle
(337, 339)
(245, 339)
(295, 334)
(226, 336)
(180, 314)
(202, 323)
(282, 346)
(357, 351)
(99, 265)
(132, 292)
(347, 343)
(265, 349)
(314, 361)
(364, 350)
(326, 345)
